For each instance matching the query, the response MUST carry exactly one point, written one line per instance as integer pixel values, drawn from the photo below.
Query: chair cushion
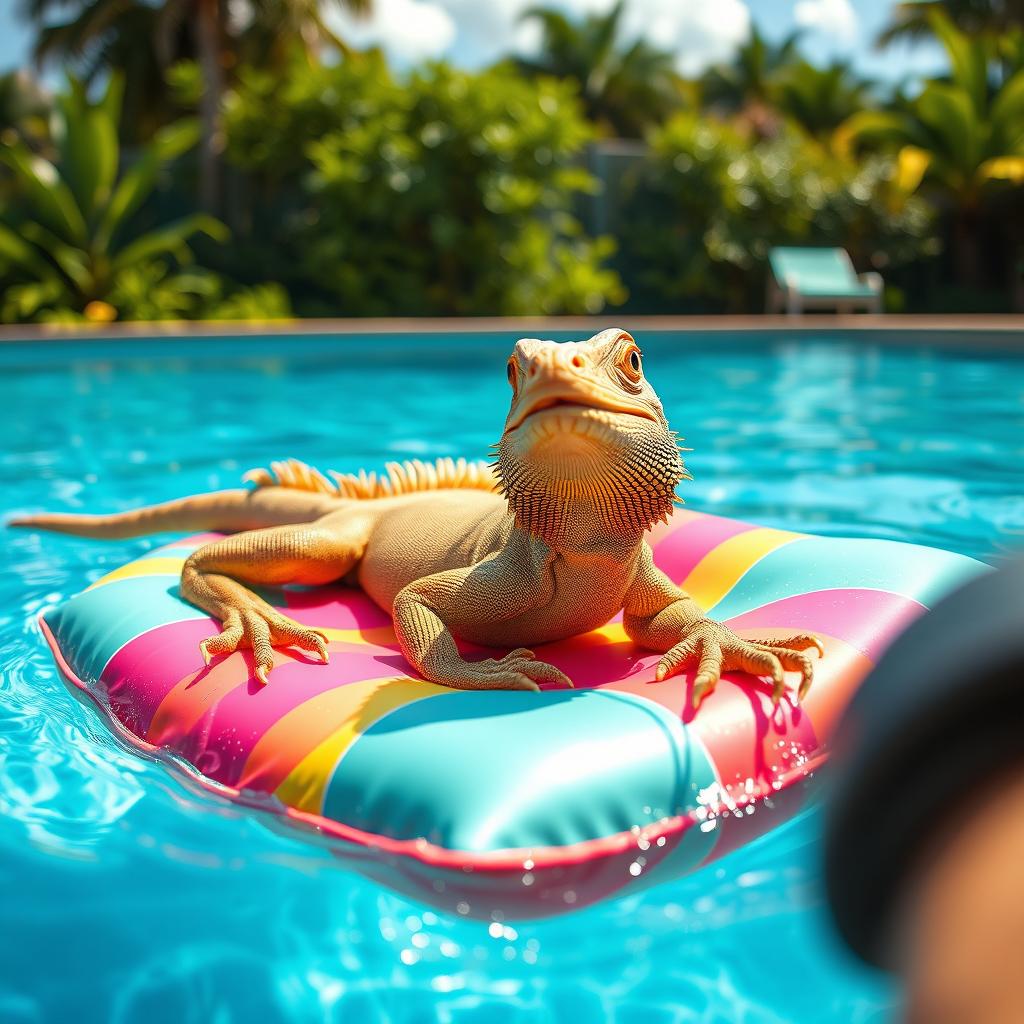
(818, 273)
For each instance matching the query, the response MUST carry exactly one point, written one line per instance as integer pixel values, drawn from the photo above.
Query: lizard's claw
(518, 670)
(716, 649)
(263, 629)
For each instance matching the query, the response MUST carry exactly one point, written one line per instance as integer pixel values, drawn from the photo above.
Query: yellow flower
(99, 312)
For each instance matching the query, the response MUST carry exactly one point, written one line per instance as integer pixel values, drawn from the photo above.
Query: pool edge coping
(1003, 329)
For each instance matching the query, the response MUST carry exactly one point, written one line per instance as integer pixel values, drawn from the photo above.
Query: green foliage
(447, 193)
(24, 110)
(153, 290)
(708, 205)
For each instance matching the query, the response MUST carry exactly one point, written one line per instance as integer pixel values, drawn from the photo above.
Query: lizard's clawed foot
(262, 630)
(716, 649)
(518, 670)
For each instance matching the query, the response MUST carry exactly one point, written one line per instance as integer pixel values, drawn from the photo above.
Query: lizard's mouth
(565, 399)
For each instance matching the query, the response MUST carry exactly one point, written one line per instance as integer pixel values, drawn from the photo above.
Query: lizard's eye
(631, 362)
(513, 374)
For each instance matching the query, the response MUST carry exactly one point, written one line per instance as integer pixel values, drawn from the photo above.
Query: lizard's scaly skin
(546, 543)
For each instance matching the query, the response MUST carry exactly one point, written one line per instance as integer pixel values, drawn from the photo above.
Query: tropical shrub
(154, 290)
(447, 192)
(708, 204)
(70, 246)
(65, 241)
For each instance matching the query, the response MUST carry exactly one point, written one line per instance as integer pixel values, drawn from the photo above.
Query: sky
(696, 32)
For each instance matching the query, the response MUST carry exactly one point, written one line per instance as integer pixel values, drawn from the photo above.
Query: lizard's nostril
(532, 372)
(578, 361)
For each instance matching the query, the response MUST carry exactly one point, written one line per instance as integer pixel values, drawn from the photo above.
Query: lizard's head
(585, 431)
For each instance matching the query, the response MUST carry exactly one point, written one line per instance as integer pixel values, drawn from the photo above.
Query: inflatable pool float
(520, 803)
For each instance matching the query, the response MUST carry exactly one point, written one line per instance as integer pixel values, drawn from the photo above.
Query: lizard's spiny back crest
(397, 478)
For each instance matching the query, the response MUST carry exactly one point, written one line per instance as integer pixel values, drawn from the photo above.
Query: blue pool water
(124, 897)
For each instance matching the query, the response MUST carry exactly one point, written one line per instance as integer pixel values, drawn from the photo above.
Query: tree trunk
(207, 27)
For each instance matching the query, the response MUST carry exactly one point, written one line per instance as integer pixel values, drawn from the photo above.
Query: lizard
(546, 542)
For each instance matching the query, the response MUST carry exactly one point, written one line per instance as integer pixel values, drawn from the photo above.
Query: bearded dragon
(545, 543)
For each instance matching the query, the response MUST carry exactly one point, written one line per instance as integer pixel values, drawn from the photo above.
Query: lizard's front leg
(312, 553)
(488, 591)
(661, 617)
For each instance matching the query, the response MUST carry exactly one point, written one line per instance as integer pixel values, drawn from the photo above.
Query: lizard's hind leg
(311, 553)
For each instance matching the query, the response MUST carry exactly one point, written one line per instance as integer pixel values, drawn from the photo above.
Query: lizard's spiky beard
(572, 469)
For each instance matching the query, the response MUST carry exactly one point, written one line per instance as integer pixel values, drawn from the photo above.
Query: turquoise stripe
(499, 770)
(92, 627)
(833, 563)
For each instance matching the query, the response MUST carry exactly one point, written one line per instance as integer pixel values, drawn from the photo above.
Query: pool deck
(1002, 330)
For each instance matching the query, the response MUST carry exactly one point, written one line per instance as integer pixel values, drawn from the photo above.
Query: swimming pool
(125, 897)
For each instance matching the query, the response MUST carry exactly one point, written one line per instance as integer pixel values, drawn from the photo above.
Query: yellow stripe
(306, 784)
(719, 570)
(382, 636)
(611, 631)
(144, 567)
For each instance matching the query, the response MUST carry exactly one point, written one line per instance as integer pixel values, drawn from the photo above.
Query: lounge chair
(803, 279)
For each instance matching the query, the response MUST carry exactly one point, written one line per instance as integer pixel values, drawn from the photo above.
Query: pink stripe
(146, 669)
(659, 531)
(750, 742)
(220, 741)
(196, 540)
(335, 607)
(593, 660)
(677, 554)
(868, 620)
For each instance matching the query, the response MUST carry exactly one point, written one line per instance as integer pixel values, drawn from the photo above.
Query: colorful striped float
(523, 803)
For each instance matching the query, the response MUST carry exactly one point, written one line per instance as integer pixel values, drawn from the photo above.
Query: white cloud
(409, 30)
(835, 18)
(477, 32)
(696, 32)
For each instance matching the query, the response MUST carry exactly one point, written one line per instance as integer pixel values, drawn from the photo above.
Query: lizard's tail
(223, 511)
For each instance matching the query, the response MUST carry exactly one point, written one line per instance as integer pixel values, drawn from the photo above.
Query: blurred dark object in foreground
(924, 835)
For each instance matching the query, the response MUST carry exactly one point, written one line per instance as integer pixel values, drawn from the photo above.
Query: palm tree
(999, 24)
(911, 20)
(955, 138)
(102, 35)
(625, 87)
(820, 99)
(747, 85)
(141, 39)
(66, 234)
